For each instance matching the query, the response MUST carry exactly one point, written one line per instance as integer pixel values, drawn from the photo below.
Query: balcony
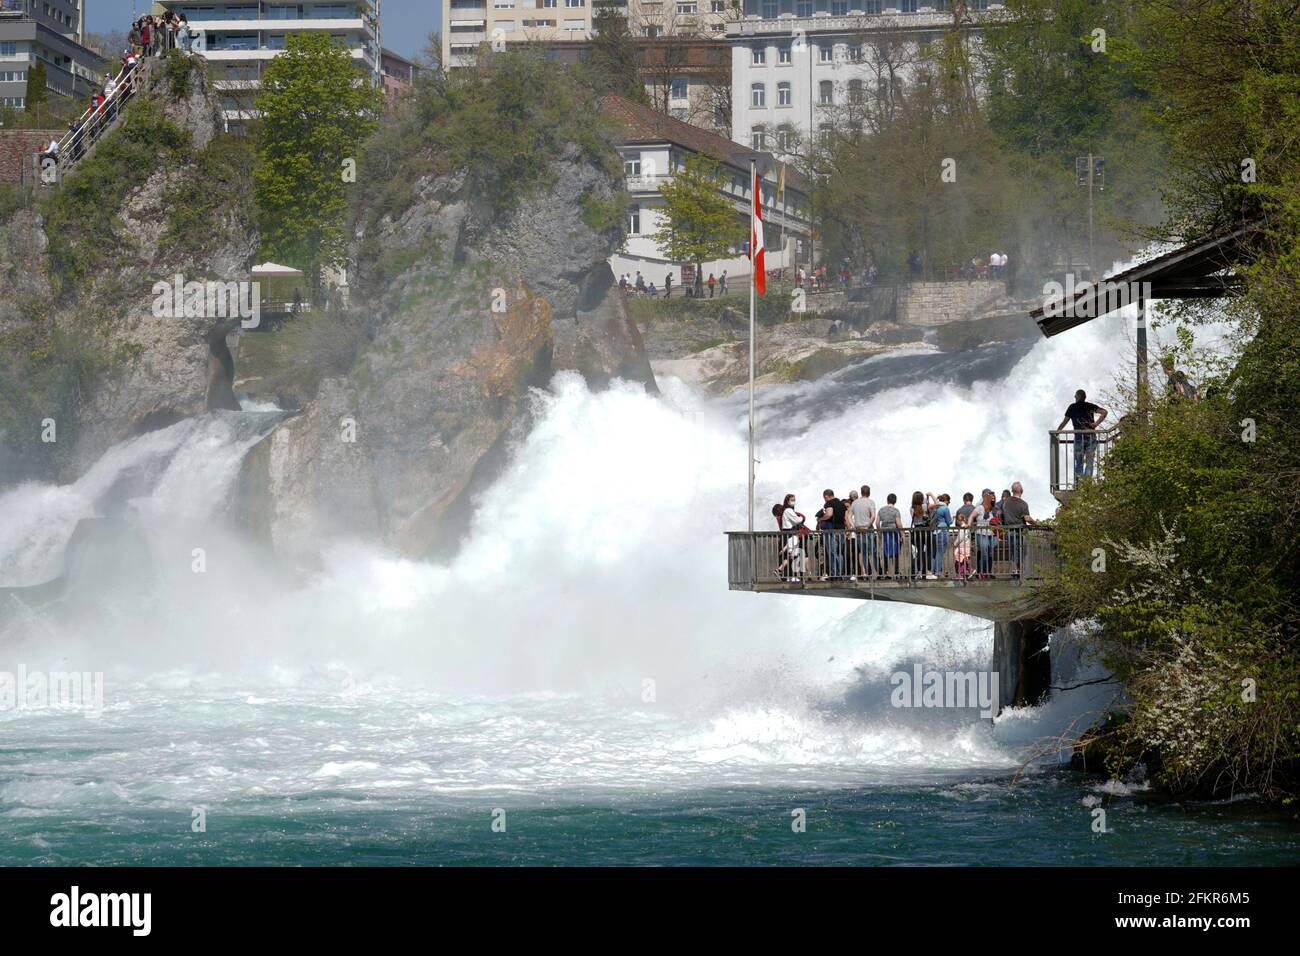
(996, 575)
(1077, 456)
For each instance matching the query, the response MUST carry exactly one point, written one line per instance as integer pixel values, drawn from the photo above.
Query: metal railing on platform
(917, 557)
(1078, 455)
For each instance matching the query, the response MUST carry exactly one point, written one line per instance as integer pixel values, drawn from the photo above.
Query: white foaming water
(190, 465)
(583, 637)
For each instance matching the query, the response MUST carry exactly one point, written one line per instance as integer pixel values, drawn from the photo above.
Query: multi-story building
(654, 146)
(239, 37)
(803, 67)
(50, 32)
(398, 72)
(466, 24)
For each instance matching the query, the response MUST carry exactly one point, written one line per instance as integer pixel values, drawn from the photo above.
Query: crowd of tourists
(150, 36)
(853, 538)
(639, 285)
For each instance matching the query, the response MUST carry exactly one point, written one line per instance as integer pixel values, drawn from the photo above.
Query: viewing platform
(1002, 583)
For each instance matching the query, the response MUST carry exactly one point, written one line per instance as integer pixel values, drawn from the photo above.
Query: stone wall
(938, 303)
(17, 147)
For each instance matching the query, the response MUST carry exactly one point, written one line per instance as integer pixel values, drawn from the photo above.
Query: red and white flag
(756, 239)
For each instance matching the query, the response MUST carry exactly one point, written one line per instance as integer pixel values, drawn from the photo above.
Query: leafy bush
(502, 124)
(82, 213)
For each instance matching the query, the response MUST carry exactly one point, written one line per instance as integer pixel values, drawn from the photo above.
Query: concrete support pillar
(1022, 662)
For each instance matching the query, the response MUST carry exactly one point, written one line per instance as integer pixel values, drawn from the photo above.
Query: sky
(404, 25)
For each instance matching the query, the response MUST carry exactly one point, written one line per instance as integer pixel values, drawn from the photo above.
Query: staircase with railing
(79, 141)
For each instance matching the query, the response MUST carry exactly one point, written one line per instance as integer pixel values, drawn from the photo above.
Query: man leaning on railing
(1086, 418)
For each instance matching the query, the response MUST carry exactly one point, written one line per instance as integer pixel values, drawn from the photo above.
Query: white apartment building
(654, 146)
(500, 23)
(800, 66)
(50, 32)
(239, 38)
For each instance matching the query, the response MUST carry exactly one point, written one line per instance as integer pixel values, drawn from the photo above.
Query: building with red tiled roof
(655, 145)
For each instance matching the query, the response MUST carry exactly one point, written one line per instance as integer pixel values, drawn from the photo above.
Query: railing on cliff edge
(93, 123)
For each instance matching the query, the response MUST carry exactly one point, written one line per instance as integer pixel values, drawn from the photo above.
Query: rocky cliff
(404, 397)
(484, 307)
(80, 341)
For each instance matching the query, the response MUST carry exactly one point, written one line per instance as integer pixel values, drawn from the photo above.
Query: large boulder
(465, 308)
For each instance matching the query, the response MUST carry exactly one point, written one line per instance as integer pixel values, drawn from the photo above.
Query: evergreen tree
(612, 61)
(37, 93)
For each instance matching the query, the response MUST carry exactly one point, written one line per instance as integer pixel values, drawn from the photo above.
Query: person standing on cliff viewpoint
(1085, 418)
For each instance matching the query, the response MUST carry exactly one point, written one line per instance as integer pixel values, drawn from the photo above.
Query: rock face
(485, 306)
(140, 369)
(405, 402)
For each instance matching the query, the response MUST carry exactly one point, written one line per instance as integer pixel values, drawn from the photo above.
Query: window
(840, 8)
(757, 139)
(680, 88)
(8, 48)
(783, 94)
(756, 56)
(758, 95)
(291, 13)
(632, 168)
(652, 30)
(825, 93)
(826, 53)
(575, 3)
(718, 6)
(573, 26)
(783, 55)
(320, 11)
(549, 4)
(634, 220)
(505, 26)
(275, 41)
(855, 91)
(805, 8)
(872, 6)
(686, 7)
(771, 8)
(784, 138)
(680, 113)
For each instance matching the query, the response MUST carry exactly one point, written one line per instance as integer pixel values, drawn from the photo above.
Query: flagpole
(753, 281)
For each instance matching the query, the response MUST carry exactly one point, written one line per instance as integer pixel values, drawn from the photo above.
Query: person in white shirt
(790, 520)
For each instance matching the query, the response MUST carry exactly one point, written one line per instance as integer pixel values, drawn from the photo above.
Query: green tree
(611, 64)
(1061, 85)
(931, 178)
(316, 110)
(1196, 602)
(699, 221)
(37, 92)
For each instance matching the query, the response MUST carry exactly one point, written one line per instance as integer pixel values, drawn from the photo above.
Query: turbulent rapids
(581, 646)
